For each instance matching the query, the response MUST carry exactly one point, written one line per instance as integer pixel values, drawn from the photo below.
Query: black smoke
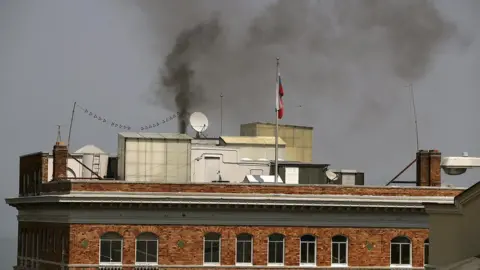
(330, 50)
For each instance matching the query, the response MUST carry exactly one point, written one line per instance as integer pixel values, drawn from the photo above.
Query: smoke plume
(179, 73)
(329, 49)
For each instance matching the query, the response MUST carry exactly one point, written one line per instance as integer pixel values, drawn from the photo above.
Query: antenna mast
(276, 122)
(221, 114)
(71, 124)
(59, 133)
(412, 95)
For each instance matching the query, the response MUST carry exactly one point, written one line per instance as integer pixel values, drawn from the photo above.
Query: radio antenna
(412, 96)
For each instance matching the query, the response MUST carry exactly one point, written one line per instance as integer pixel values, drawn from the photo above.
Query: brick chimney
(428, 168)
(60, 159)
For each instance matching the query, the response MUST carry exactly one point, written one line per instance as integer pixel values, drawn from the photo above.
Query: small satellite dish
(331, 175)
(199, 122)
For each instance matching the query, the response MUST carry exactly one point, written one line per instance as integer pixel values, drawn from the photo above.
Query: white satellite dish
(199, 122)
(331, 175)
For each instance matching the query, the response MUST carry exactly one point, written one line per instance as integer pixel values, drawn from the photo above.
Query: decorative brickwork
(367, 247)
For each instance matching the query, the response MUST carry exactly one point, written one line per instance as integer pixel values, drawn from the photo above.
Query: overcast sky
(106, 55)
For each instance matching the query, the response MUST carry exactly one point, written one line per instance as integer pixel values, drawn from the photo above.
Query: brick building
(76, 223)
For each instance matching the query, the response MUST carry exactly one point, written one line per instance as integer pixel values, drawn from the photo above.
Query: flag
(279, 94)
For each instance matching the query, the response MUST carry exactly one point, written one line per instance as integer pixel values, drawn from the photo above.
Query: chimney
(60, 158)
(428, 168)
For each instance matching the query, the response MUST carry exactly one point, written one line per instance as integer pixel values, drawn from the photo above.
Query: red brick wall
(106, 186)
(192, 252)
(34, 168)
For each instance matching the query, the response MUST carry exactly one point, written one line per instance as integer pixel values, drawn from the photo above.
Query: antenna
(59, 133)
(71, 124)
(199, 122)
(221, 114)
(412, 95)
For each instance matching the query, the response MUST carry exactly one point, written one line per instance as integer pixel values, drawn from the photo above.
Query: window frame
(219, 248)
(154, 238)
(315, 250)
(426, 245)
(251, 250)
(332, 243)
(120, 238)
(283, 250)
(392, 265)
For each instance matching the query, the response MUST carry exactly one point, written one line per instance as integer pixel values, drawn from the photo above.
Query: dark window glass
(339, 249)
(426, 252)
(275, 248)
(307, 249)
(212, 248)
(400, 251)
(405, 253)
(111, 248)
(244, 248)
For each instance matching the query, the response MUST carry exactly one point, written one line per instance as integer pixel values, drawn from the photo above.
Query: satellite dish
(199, 122)
(331, 175)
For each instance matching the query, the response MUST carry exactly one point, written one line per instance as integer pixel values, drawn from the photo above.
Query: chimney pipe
(60, 159)
(428, 168)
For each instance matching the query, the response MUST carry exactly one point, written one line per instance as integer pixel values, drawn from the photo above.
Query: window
(27, 243)
(339, 250)
(22, 247)
(400, 251)
(308, 250)
(35, 182)
(426, 250)
(147, 249)
(244, 249)
(111, 248)
(276, 249)
(211, 248)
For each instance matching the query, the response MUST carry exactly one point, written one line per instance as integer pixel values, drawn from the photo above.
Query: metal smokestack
(182, 123)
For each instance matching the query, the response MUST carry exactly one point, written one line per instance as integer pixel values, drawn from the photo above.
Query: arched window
(146, 249)
(211, 248)
(71, 174)
(111, 245)
(244, 249)
(339, 250)
(308, 250)
(276, 247)
(426, 251)
(400, 251)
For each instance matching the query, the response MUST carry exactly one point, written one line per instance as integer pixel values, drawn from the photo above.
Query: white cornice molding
(237, 199)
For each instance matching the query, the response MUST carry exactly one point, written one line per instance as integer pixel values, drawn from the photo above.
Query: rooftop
(280, 125)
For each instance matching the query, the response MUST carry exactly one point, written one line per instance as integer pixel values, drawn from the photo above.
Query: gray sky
(106, 56)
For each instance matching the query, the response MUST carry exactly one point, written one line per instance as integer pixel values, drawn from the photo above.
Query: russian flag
(279, 94)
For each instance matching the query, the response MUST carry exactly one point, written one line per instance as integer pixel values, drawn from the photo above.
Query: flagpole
(276, 123)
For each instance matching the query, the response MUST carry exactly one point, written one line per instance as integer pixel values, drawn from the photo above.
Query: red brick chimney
(60, 159)
(428, 168)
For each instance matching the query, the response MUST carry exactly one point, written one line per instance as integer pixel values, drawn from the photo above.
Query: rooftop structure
(170, 201)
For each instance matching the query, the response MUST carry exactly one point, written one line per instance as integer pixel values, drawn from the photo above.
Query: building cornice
(232, 199)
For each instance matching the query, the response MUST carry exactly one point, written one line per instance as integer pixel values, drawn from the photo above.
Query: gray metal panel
(360, 179)
(228, 218)
(311, 176)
